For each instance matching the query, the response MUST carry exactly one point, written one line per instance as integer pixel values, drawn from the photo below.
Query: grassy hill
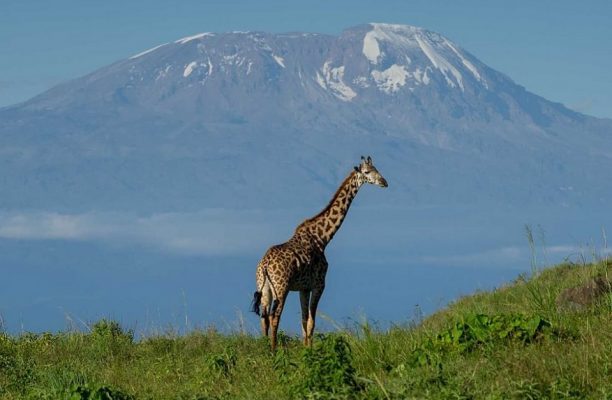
(512, 342)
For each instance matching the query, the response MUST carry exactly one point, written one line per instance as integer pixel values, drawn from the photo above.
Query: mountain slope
(233, 120)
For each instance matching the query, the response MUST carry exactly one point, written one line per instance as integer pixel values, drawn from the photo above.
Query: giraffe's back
(293, 265)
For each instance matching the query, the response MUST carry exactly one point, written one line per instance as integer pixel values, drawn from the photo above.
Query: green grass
(510, 343)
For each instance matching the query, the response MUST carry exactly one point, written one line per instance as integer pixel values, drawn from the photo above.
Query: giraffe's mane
(344, 182)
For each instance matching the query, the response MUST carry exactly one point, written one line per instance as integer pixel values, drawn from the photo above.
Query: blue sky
(557, 49)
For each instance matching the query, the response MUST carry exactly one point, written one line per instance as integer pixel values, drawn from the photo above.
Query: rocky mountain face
(258, 120)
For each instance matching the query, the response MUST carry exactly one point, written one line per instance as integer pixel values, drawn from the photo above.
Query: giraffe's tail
(256, 303)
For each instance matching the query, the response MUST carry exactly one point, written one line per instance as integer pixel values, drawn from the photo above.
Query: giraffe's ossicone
(299, 264)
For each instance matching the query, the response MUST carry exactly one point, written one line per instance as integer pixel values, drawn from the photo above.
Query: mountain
(259, 120)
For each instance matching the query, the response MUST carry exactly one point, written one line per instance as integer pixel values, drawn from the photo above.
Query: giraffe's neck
(324, 225)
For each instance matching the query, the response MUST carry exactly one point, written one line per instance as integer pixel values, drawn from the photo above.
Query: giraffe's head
(367, 172)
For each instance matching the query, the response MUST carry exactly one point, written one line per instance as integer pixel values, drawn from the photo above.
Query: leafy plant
(480, 329)
(560, 389)
(108, 329)
(16, 371)
(111, 339)
(326, 370)
(223, 363)
(282, 364)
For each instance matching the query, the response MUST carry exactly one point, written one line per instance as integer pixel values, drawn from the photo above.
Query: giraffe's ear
(356, 169)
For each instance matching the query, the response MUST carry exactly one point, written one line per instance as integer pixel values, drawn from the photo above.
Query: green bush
(111, 330)
(560, 389)
(17, 372)
(223, 363)
(110, 339)
(481, 330)
(326, 370)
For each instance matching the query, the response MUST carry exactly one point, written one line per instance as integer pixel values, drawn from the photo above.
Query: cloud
(42, 226)
(231, 232)
(208, 232)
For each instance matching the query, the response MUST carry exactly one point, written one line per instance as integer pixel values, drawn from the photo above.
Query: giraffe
(299, 264)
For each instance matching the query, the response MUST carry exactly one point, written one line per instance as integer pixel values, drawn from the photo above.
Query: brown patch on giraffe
(319, 231)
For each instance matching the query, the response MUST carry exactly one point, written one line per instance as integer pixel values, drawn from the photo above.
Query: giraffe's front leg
(312, 313)
(304, 302)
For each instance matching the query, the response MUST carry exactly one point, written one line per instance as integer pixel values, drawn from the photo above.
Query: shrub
(223, 363)
(478, 330)
(110, 340)
(326, 370)
(17, 372)
(107, 329)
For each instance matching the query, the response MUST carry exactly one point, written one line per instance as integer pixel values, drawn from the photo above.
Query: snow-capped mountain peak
(440, 53)
(401, 59)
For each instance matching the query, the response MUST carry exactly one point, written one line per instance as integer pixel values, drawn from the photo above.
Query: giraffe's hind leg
(266, 301)
(275, 314)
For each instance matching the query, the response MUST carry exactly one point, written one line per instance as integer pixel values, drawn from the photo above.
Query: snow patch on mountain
(400, 36)
(370, 47)
(467, 64)
(362, 81)
(440, 52)
(333, 79)
(392, 79)
(163, 72)
(234, 59)
(147, 51)
(441, 64)
(279, 60)
(189, 69)
(210, 67)
(421, 76)
(194, 37)
(260, 42)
